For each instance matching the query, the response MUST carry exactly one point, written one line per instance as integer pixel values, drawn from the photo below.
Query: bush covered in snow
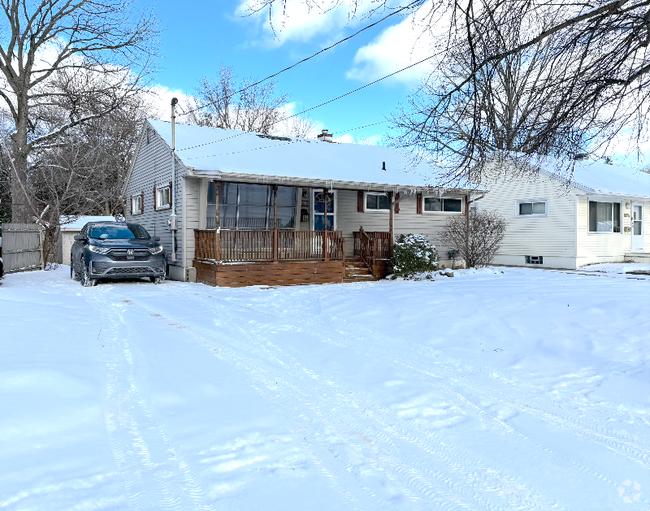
(412, 253)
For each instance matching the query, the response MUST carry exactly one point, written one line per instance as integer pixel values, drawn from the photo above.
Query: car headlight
(156, 250)
(99, 250)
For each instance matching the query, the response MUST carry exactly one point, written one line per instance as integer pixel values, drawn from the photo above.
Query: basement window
(534, 259)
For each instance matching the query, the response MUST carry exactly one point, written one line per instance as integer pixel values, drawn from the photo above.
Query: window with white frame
(443, 204)
(604, 216)
(531, 208)
(136, 204)
(163, 197)
(377, 202)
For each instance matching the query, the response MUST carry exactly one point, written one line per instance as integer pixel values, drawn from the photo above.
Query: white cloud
(299, 22)
(160, 99)
(305, 20)
(395, 48)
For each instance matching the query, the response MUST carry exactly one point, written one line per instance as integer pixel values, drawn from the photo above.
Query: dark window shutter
(396, 203)
(171, 194)
(141, 202)
(360, 201)
(418, 201)
(131, 204)
(155, 202)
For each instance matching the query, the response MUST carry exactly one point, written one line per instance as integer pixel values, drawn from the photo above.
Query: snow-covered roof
(211, 151)
(601, 178)
(77, 223)
(598, 178)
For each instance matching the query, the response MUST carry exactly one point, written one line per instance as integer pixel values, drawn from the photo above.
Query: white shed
(70, 228)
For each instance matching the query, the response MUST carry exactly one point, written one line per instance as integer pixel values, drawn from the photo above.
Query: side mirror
(79, 237)
(156, 239)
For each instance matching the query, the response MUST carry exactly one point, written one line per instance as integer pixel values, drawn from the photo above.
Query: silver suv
(113, 250)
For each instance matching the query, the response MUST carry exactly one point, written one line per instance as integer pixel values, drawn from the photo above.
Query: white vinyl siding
(152, 169)
(552, 236)
(407, 221)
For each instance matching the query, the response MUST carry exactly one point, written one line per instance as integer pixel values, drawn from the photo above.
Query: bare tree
(257, 108)
(603, 47)
(476, 236)
(82, 174)
(517, 106)
(84, 56)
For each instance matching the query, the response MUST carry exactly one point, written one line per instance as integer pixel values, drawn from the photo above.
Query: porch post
(275, 223)
(217, 224)
(391, 223)
(325, 235)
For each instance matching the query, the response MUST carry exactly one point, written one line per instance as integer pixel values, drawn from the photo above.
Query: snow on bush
(412, 254)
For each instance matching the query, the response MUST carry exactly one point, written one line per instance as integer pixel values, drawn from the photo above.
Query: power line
(321, 104)
(308, 58)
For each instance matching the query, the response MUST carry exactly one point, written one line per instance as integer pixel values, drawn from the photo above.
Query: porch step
(357, 271)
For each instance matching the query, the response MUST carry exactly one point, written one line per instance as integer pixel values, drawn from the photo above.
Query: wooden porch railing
(253, 246)
(373, 247)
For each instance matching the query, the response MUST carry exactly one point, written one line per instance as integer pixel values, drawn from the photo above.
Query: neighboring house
(70, 227)
(600, 215)
(230, 185)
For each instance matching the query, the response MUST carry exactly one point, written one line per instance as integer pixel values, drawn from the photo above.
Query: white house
(600, 215)
(243, 198)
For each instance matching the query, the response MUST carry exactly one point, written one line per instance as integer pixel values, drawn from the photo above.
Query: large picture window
(250, 207)
(604, 216)
(449, 205)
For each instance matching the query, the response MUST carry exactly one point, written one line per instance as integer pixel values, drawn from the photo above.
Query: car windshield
(118, 232)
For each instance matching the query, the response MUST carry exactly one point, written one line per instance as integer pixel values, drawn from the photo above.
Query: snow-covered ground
(496, 389)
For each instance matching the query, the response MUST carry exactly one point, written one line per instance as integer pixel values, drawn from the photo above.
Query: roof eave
(321, 183)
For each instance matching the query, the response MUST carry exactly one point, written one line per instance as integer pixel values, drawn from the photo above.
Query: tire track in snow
(529, 444)
(400, 466)
(154, 475)
(633, 448)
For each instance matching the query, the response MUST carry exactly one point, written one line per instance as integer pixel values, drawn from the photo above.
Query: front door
(324, 210)
(637, 227)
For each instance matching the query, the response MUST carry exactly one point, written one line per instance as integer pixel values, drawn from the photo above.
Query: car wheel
(86, 281)
(74, 275)
(158, 280)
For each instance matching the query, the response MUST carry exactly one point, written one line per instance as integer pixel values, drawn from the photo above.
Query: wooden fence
(22, 247)
(259, 246)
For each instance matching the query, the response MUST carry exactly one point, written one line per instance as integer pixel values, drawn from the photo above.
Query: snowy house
(599, 214)
(70, 227)
(241, 198)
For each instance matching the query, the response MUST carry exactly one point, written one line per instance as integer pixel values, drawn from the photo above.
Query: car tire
(86, 281)
(74, 275)
(158, 280)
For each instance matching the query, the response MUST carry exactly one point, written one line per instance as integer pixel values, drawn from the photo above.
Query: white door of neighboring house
(637, 227)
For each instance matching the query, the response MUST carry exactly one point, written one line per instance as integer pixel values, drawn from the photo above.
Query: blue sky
(198, 37)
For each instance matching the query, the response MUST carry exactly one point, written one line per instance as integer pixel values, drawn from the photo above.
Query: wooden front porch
(274, 257)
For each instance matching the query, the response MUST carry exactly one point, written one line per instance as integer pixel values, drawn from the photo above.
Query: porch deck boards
(269, 274)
